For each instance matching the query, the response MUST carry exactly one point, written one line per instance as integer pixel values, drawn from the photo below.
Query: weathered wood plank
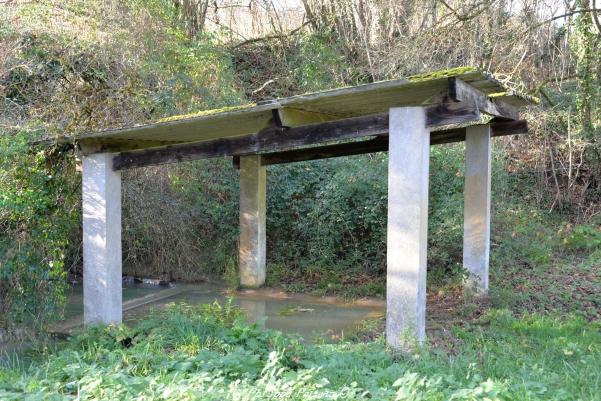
(295, 117)
(379, 144)
(465, 93)
(204, 125)
(451, 113)
(269, 139)
(278, 138)
(363, 100)
(94, 145)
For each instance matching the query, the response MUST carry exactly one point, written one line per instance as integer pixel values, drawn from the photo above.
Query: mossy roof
(354, 101)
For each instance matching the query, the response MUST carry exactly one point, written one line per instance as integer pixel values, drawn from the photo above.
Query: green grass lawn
(209, 353)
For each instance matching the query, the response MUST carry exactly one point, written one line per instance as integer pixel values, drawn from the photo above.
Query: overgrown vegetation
(73, 66)
(36, 220)
(209, 353)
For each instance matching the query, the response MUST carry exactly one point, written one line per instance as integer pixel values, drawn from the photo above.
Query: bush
(37, 213)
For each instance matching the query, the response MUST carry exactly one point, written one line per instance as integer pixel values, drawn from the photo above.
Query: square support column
(408, 168)
(101, 204)
(476, 229)
(253, 183)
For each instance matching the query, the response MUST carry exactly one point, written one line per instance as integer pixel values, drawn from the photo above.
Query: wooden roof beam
(295, 117)
(278, 138)
(99, 145)
(379, 144)
(465, 93)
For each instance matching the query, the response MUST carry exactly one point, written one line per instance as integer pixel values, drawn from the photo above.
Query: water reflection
(310, 316)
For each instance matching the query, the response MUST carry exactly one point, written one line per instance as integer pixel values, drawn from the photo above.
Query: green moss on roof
(530, 98)
(203, 113)
(450, 72)
(428, 76)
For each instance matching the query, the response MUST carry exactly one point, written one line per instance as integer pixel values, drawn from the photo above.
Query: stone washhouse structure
(404, 117)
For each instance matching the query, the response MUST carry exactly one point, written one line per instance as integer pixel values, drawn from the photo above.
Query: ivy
(36, 216)
(587, 48)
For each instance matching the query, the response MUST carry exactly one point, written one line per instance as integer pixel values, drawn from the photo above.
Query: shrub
(37, 205)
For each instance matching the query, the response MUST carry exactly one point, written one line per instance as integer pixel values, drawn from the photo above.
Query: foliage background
(73, 66)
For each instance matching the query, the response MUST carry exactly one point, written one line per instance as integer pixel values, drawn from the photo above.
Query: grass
(208, 352)
(538, 337)
(541, 264)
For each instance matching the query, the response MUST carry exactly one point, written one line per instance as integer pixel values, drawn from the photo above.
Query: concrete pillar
(101, 203)
(252, 250)
(476, 229)
(408, 164)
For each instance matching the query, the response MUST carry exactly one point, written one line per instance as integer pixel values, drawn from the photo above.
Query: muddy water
(74, 305)
(310, 317)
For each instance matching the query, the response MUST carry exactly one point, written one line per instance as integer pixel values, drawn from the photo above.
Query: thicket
(73, 66)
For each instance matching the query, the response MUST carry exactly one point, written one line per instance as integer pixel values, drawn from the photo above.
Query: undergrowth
(75, 66)
(209, 353)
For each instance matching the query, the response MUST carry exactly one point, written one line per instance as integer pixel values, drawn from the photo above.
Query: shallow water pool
(309, 317)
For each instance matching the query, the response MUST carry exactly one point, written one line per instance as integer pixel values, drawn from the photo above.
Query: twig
(596, 17)
(584, 10)
(263, 86)
(269, 37)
